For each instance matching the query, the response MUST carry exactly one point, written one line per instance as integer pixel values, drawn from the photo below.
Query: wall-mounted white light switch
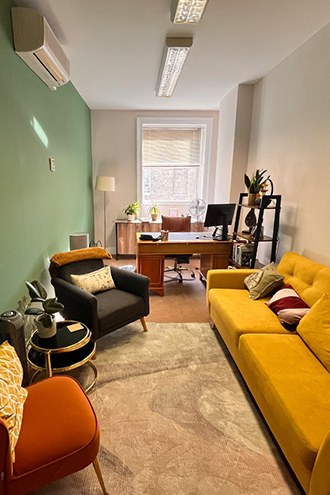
(52, 164)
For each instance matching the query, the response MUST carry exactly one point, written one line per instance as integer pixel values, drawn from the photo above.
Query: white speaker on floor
(79, 240)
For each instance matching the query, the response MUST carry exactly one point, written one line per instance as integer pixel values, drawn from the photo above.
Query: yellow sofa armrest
(226, 279)
(320, 479)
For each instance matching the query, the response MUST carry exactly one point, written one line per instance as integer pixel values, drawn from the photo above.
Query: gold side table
(66, 351)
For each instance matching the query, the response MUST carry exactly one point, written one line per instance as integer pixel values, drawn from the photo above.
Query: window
(172, 160)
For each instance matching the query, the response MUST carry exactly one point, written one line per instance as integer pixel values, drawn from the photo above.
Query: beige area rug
(176, 420)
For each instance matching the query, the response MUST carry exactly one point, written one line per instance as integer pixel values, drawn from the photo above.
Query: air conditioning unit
(36, 44)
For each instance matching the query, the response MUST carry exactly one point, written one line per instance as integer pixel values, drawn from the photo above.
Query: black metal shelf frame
(263, 206)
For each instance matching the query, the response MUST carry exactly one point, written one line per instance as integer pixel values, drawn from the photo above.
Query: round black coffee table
(70, 348)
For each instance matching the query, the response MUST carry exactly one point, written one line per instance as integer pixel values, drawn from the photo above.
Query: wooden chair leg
(99, 475)
(143, 321)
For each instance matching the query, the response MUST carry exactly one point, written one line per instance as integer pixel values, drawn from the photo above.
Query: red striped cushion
(288, 306)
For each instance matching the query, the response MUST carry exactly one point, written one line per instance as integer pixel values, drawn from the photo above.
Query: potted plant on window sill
(44, 309)
(131, 211)
(154, 211)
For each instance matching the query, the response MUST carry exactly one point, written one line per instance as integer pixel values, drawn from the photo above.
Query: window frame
(206, 125)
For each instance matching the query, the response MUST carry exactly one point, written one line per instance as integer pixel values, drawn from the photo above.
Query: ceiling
(115, 47)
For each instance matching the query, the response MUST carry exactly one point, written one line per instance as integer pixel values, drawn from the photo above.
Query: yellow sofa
(290, 385)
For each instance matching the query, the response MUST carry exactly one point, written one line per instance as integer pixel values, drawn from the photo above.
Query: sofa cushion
(264, 281)
(128, 306)
(311, 280)
(93, 282)
(314, 329)
(295, 387)
(241, 314)
(12, 394)
(288, 307)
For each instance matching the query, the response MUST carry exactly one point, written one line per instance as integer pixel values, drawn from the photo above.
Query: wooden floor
(183, 302)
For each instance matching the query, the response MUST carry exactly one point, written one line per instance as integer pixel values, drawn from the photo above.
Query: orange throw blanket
(60, 259)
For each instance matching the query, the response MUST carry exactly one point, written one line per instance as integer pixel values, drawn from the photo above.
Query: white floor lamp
(105, 184)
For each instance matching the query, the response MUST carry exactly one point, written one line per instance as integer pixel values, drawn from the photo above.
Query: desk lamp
(105, 184)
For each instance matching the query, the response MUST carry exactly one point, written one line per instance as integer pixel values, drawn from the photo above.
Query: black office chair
(178, 224)
(107, 311)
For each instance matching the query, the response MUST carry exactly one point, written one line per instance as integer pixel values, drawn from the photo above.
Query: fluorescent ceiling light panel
(175, 53)
(187, 11)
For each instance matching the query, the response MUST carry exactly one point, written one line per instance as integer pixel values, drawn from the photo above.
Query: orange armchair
(59, 436)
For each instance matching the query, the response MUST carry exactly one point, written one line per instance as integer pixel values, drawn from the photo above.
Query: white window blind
(171, 147)
(173, 158)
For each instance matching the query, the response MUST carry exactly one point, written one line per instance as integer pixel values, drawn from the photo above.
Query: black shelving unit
(271, 202)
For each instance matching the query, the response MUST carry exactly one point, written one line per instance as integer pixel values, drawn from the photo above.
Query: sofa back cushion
(314, 329)
(309, 279)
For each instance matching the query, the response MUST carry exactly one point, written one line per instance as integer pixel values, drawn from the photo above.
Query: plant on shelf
(154, 211)
(255, 184)
(43, 308)
(131, 211)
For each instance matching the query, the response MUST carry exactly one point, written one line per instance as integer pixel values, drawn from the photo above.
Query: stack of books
(242, 253)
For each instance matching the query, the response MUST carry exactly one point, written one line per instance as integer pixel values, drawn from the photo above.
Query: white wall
(114, 154)
(226, 138)
(233, 143)
(242, 140)
(290, 137)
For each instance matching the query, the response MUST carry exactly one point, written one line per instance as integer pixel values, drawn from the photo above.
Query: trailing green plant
(132, 209)
(254, 184)
(38, 293)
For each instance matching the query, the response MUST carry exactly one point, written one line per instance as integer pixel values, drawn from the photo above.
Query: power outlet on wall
(52, 164)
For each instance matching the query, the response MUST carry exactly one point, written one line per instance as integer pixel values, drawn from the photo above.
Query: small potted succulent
(131, 211)
(154, 211)
(43, 308)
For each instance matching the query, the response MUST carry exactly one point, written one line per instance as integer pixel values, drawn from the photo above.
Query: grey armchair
(106, 311)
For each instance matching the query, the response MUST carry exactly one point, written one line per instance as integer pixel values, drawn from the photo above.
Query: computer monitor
(220, 215)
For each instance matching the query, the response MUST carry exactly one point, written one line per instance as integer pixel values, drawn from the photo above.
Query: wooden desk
(151, 255)
(126, 233)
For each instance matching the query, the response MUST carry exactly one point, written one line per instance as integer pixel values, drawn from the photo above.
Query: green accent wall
(38, 208)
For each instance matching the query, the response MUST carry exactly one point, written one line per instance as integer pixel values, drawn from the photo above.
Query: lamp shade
(105, 183)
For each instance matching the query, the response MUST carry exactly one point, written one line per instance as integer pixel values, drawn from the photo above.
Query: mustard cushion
(98, 281)
(12, 394)
(240, 314)
(295, 387)
(314, 329)
(262, 282)
(311, 280)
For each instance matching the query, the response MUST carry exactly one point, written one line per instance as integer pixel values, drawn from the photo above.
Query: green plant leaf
(40, 288)
(37, 291)
(33, 292)
(132, 209)
(46, 320)
(52, 306)
(33, 311)
(257, 179)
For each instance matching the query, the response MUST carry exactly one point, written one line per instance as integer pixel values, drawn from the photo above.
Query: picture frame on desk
(173, 212)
